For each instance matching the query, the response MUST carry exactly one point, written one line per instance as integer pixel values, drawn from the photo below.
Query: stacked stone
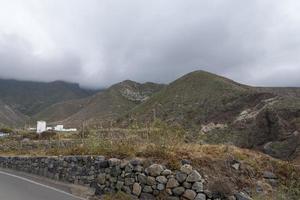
(134, 177)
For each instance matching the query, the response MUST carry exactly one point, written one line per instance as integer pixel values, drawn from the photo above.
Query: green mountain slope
(61, 110)
(30, 98)
(217, 110)
(10, 117)
(110, 104)
(193, 99)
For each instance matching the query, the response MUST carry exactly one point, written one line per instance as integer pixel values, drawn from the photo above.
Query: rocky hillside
(103, 107)
(197, 98)
(217, 110)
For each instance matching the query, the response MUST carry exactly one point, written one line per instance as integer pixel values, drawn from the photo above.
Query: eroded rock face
(137, 92)
(271, 126)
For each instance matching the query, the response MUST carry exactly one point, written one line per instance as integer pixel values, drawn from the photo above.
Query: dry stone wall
(136, 177)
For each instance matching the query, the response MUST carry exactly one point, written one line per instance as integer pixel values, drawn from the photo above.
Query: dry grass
(168, 147)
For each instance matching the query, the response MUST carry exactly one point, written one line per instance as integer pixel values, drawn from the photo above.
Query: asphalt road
(13, 187)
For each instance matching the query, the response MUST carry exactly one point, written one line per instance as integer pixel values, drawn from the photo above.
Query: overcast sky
(100, 42)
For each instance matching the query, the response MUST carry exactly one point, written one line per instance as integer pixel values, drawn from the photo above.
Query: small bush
(6, 130)
(30, 135)
(47, 135)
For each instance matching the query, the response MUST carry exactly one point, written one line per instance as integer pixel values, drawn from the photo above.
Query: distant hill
(194, 99)
(60, 111)
(30, 97)
(112, 103)
(281, 91)
(102, 107)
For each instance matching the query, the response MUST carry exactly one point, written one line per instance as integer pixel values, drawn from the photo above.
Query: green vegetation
(6, 130)
(193, 99)
(107, 106)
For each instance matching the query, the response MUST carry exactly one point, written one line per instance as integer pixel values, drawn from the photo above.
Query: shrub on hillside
(30, 135)
(6, 130)
(47, 135)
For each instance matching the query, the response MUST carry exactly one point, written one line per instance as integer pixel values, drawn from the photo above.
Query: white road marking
(42, 185)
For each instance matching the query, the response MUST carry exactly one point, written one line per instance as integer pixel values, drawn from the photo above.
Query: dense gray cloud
(97, 43)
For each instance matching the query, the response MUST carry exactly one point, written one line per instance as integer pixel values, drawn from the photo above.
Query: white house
(41, 126)
(59, 128)
(62, 129)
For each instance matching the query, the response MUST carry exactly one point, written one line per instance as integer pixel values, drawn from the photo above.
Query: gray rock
(161, 179)
(128, 168)
(160, 187)
(172, 198)
(156, 192)
(129, 181)
(142, 178)
(242, 196)
(119, 185)
(123, 164)
(135, 162)
(172, 183)
(114, 162)
(198, 187)
(189, 194)
(151, 180)
(115, 171)
(187, 185)
(166, 172)
(146, 196)
(138, 168)
(136, 189)
(181, 177)
(126, 189)
(200, 196)
(147, 189)
(269, 175)
(187, 169)
(155, 170)
(194, 177)
(178, 191)
(101, 178)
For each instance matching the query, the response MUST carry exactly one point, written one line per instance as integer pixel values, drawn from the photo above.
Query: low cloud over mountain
(98, 43)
